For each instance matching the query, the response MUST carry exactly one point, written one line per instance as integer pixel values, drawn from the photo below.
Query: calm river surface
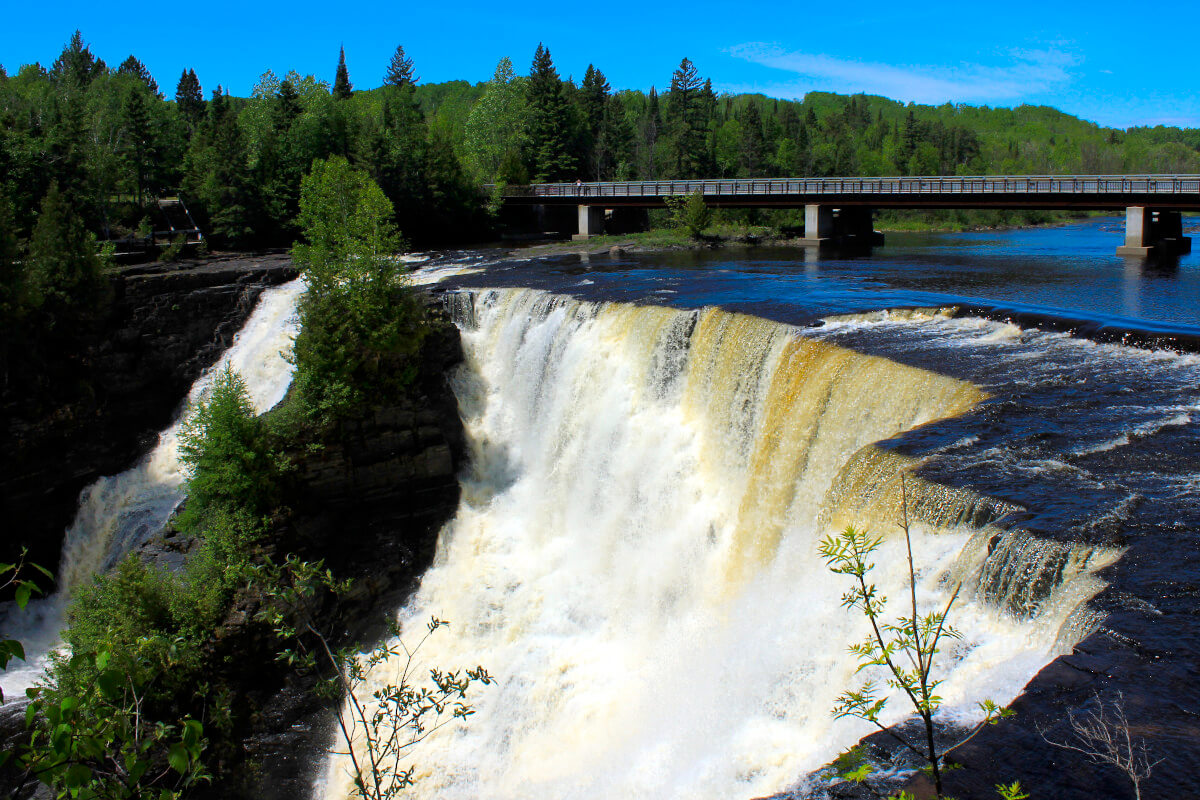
(1068, 272)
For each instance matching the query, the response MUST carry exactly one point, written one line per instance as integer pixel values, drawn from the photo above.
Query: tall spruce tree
(138, 143)
(594, 96)
(651, 128)
(549, 145)
(342, 88)
(751, 159)
(64, 272)
(400, 70)
(218, 177)
(687, 122)
(134, 67)
(76, 65)
(189, 98)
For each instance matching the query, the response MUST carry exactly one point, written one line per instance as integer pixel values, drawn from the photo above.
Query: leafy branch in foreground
(905, 648)
(391, 719)
(103, 743)
(23, 590)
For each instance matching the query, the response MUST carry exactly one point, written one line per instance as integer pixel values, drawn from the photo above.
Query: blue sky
(1119, 64)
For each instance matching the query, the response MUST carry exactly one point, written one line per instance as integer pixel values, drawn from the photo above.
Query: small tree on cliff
(904, 648)
(360, 328)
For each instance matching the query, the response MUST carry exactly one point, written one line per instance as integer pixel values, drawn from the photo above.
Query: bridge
(839, 210)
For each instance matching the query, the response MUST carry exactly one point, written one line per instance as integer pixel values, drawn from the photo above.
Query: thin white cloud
(1029, 72)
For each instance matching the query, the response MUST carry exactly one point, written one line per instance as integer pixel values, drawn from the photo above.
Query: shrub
(690, 213)
(228, 454)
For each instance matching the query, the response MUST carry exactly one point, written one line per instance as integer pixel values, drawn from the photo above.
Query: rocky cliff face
(368, 497)
(165, 325)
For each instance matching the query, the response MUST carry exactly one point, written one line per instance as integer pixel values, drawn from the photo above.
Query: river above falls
(1067, 272)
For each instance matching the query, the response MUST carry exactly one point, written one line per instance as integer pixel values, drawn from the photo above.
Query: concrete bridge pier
(591, 221)
(1148, 231)
(818, 225)
(852, 225)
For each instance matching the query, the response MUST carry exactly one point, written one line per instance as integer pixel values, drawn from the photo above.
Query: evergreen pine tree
(190, 99)
(687, 122)
(138, 142)
(751, 153)
(76, 65)
(64, 271)
(594, 96)
(342, 88)
(400, 70)
(287, 106)
(452, 200)
(217, 175)
(651, 125)
(134, 67)
(549, 122)
(67, 144)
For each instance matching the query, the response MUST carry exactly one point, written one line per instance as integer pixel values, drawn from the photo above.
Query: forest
(105, 142)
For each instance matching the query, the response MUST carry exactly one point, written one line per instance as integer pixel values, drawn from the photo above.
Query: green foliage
(378, 729)
(189, 99)
(227, 452)
(76, 66)
(65, 273)
(174, 250)
(690, 213)
(1012, 791)
(550, 122)
(360, 329)
(688, 108)
(217, 174)
(93, 731)
(495, 129)
(106, 135)
(905, 649)
(99, 742)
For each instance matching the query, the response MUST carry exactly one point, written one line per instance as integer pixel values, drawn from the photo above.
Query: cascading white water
(118, 512)
(635, 557)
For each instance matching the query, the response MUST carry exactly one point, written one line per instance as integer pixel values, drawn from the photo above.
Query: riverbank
(719, 236)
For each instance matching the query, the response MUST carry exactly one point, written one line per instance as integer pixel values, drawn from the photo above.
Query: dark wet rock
(165, 326)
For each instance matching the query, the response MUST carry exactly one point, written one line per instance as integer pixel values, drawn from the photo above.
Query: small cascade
(636, 553)
(119, 512)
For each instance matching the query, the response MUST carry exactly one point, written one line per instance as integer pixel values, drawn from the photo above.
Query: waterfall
(119, 512)
(635, 556)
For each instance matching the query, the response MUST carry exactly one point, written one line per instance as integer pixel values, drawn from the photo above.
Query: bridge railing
(937, 185)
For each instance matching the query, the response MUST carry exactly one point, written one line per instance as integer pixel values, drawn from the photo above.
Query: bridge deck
(1178, 192)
